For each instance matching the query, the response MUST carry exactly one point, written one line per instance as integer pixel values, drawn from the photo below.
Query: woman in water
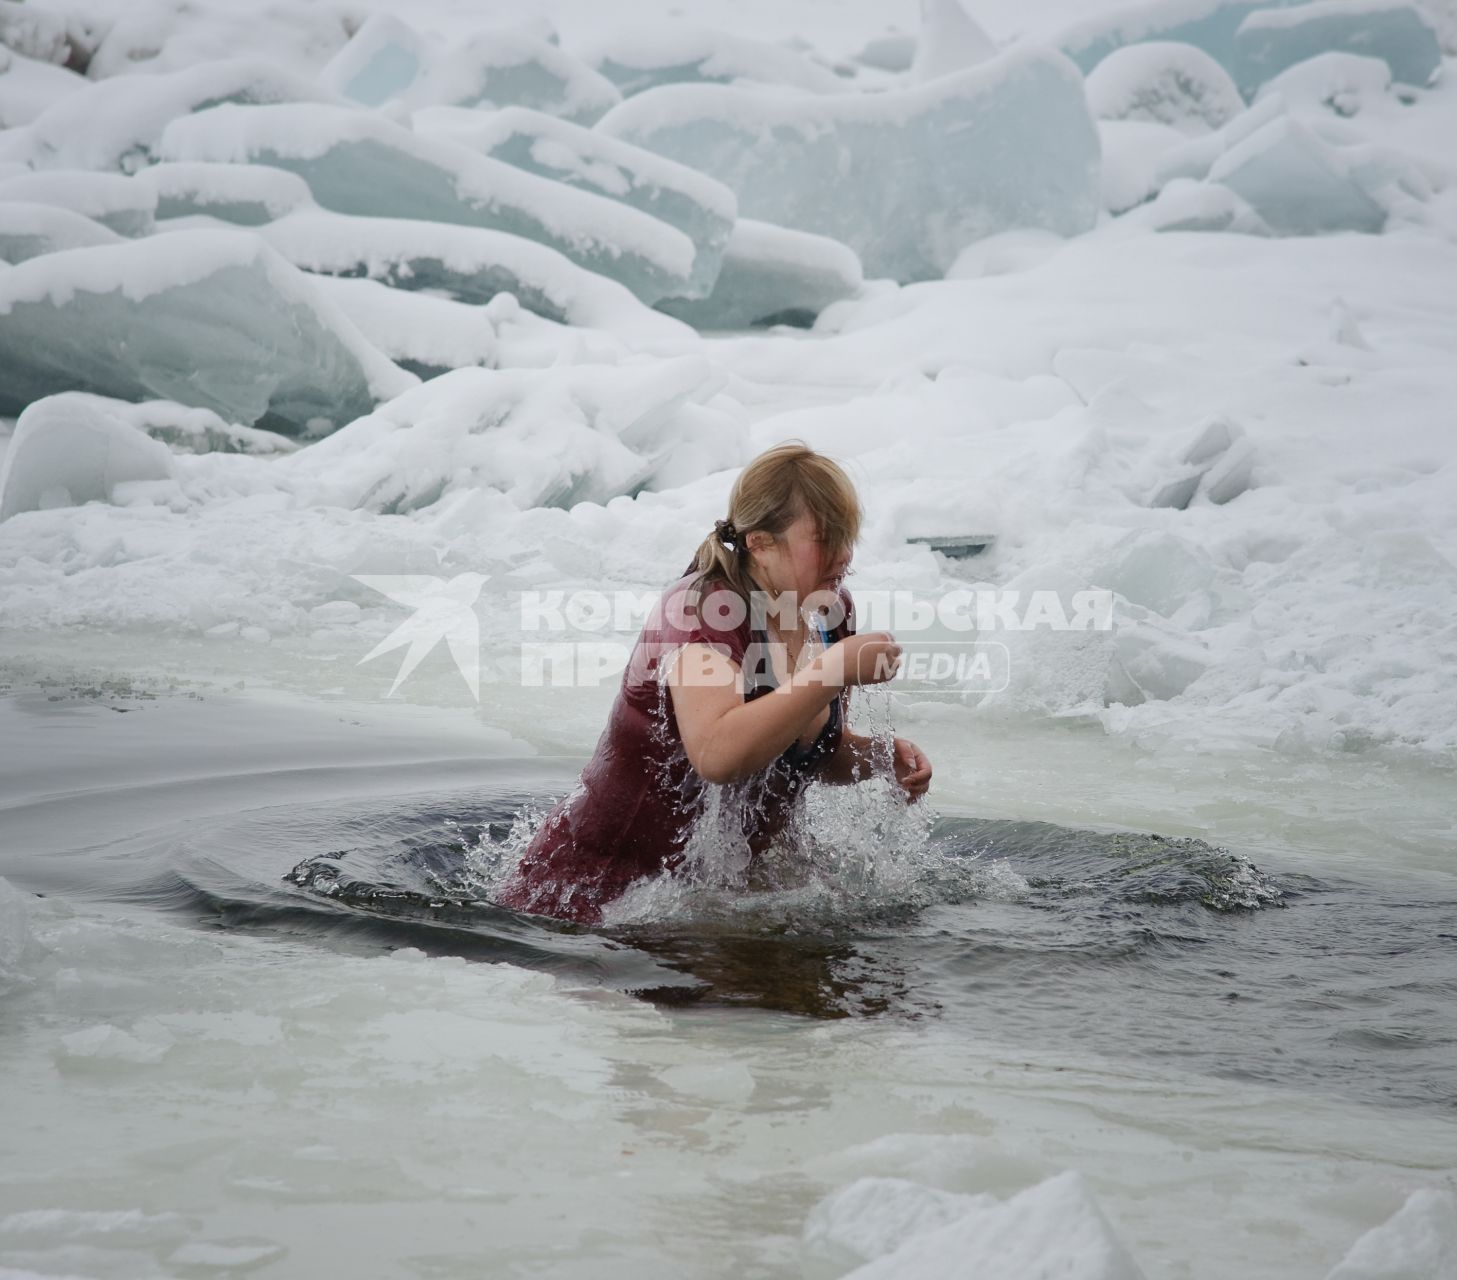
(740, 680)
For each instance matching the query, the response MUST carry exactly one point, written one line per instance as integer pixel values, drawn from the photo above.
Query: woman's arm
(727, 739)
(854, 761)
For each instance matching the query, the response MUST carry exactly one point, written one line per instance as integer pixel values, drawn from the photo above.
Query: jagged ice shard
(214, 319)
(906, 178)
(700, 207)
(357, 162)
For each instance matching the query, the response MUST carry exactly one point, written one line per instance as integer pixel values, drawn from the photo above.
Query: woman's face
(800, 561)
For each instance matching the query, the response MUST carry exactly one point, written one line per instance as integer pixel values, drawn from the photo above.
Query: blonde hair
(771, 493)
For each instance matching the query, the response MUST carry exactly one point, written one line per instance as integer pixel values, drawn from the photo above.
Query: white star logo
(443, 610)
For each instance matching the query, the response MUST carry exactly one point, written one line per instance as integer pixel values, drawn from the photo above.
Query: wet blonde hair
(771, 493)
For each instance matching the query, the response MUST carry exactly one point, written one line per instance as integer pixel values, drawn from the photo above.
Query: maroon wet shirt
(631, 814)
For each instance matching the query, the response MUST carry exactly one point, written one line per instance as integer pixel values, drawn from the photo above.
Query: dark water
(1132, 946)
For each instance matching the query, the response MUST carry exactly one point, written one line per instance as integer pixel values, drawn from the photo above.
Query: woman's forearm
(754, 734)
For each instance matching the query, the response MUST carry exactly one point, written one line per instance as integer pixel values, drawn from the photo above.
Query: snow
(68, 449)
(1164, 82)
(772, 273)
(636, 58)
(29, 87)
(872, 170)
(359, 163)
(553, 437)
(107, 198)
(468, 264)
(245, 194)
(673, 193)
(32, 33)
(1271, 40)
(214, 319)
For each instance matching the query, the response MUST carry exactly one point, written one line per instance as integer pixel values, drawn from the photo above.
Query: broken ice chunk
(469, 264)
(69, 450)
(772, 275)
(381, 61)
(1164, 82)
(1296, 183)
(1270, 40)
(246, 194)
(357, 162)
(107, 198)
(30, 230)
(209, 318)
(696, 204)
(906, 178)
(1218, 462)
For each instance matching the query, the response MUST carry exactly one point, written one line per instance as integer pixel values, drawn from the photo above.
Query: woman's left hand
(912, 769)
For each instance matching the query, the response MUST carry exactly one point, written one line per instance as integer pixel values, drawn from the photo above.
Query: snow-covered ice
(565, 152)
(1270, 40)
(360, 163)
(245, 194)
(30, 230)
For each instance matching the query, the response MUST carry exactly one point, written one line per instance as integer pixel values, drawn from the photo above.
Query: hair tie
(726, 533)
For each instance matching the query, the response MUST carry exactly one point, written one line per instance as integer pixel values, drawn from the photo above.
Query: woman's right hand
(872, 657)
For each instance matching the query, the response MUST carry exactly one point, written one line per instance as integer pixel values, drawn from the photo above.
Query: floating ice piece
(107, 198)
(1164, 82)
(772, 275)
(246, 194)
(30, 230)
(700, 207)
(209, 318)
(1418, 1242)
(949, 41)
(542, 437)
(68, 450)
(1296, 183)
(29, 87)
(874, 1216)
(636, 59)
(1053, 1228)
(467, 263)
(381, 61)
(1153, 660)
(1186, 205)
(1218, 462)
(1344, 83)
(114, 124)
(876, 172)
(357, 162)
(1270, 40)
